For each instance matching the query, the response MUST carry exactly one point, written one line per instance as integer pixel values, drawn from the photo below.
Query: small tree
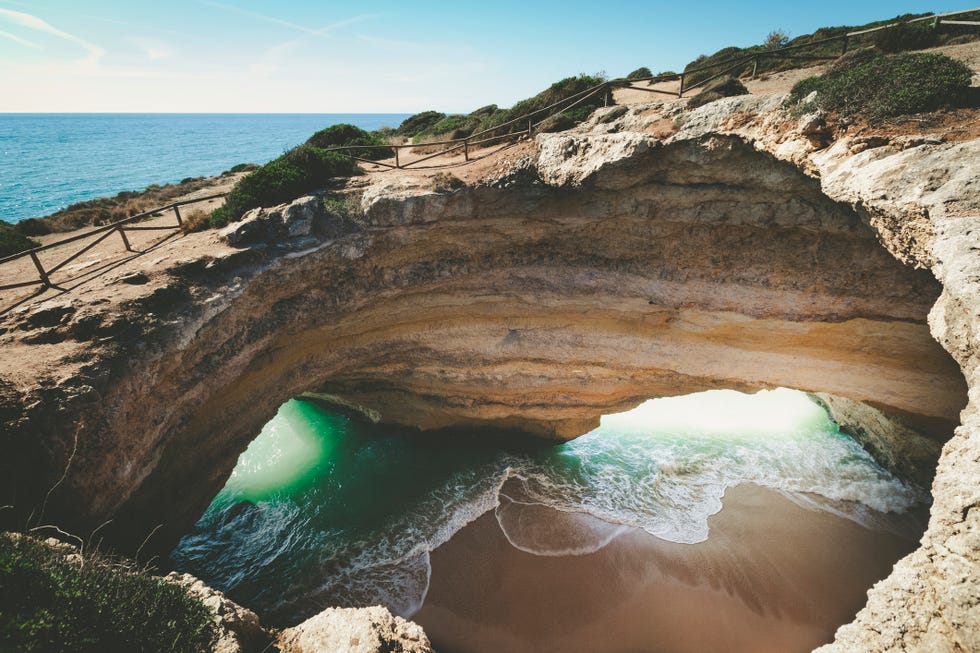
(776, 39)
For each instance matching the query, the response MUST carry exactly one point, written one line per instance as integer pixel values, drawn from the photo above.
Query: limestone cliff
(611, 266)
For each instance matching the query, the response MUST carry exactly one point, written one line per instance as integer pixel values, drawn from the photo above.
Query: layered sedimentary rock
(612, 267)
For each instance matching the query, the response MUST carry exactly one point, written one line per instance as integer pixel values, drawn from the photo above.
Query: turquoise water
(48, 161)
(325, 510)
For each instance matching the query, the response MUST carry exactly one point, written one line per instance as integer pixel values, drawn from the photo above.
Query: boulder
(354, 630)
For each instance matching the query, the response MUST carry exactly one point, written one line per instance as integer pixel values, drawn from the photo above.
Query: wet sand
(772, 576)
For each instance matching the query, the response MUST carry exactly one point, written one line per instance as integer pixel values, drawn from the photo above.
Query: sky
(373, 56)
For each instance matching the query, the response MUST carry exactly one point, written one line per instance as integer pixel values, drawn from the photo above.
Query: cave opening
(747, 521)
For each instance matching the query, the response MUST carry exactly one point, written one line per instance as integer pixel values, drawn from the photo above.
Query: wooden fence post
(397, 164)
(843, 49)
(755, 66)
(466, 149)
(180, 221)
(40, 270)
(680, 91)
(124, 239)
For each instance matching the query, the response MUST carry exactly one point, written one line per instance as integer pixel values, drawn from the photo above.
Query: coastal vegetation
(896, 39)
(300, 170)
(422, 127)
(344, 134)
(721, 87)
(880, 86)
(55, 599)
(858, 84)
(105, 210)
(13, 240)
(309, 166)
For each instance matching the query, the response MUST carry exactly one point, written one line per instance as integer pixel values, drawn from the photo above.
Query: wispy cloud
(17, 39)
(153, 49)
(389, 44)
(255, 14)
(95, 53)
(272, 58)
(322, 31)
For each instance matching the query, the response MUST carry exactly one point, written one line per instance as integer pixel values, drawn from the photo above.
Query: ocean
(49, 161)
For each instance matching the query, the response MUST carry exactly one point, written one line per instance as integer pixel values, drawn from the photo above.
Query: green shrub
(887, 86)
(556, 123)
(852, 59)
(446, 182)
(904, 37)
(795, 59)
(298, 171)
(803, 88)
(344, 134)
(717, 62)
(419, 123)
(720, 88)
(49, 604)
(640, 73)
(454, 126)
(776, 39)
(13, 241)
(242, 167)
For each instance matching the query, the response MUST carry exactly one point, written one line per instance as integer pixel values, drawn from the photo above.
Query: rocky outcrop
(612, 267)
(238, 628)
(349, 630)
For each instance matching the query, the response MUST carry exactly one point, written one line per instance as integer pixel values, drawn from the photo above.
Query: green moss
(52, 605)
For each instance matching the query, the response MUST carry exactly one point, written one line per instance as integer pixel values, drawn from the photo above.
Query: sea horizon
(51, 160)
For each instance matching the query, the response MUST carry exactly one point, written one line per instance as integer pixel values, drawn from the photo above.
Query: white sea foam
(663, 467)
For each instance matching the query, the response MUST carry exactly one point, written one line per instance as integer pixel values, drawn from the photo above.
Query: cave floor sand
(772, 576)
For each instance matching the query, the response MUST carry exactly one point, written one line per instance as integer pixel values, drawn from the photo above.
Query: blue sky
(379, 56)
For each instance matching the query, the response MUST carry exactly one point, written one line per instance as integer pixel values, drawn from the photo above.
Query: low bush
(851, 59)
(345, 134)
(419, 123)
(298, 171)
(446, 182)
(13, 241)
(904, 37)
(776, 39)
(50, 604)
(640, 73)
(719, 88)
(556, 123)
(242, 167)
(803, 88)
(196, 221)
(888, 86)
(488, 117)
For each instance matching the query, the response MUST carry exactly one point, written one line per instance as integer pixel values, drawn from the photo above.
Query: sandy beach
(772, 576)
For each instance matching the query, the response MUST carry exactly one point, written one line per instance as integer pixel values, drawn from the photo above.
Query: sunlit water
(51, 160)
(325, 510)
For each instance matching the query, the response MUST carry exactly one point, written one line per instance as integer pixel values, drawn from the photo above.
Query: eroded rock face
(612, 268)
(239, 630)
